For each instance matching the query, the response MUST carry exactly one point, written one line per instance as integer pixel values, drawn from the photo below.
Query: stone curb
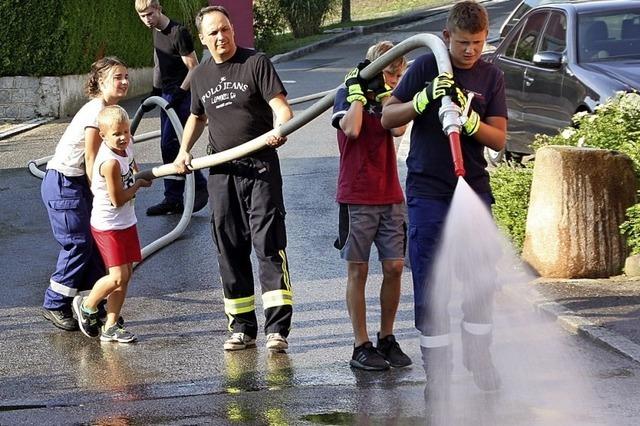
(355, 31)
(581, 326)
(23, 127)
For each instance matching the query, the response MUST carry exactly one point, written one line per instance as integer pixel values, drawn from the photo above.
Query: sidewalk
(606, 311)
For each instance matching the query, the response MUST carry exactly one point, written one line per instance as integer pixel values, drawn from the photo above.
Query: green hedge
(511, 185)
(53, 37)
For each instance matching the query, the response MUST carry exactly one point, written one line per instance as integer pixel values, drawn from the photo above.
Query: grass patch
(363, 13)
(368, 9)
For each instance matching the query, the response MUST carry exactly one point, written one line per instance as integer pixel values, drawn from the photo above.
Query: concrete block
(12, 111)
(5, 96)
(30, 97)
(27, 82)
(17, 96)
(578, 201)
(49, 81)
(632, 266)
(6, 82)
(27, 112)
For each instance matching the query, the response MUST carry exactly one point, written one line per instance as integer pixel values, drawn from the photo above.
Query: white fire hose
(449, 117)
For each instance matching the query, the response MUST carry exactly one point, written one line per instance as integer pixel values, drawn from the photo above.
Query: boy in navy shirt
(431, 180)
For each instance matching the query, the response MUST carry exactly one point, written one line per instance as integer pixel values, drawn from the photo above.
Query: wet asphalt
(178, 373)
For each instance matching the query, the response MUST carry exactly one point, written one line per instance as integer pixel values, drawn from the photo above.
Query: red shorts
(118, 247)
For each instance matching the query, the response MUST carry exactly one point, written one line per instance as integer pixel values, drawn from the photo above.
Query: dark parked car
(563, 58)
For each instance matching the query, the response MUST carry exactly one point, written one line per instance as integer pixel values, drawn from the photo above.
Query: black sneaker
(165, 208)
(201, 199)
(89, 323)
(390, 350)
(62, 318)
(366, 357)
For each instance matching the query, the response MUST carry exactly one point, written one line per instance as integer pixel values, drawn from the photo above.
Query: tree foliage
(268, 22)
(305, 17)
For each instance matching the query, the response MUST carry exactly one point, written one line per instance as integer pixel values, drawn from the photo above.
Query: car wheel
(493, 157)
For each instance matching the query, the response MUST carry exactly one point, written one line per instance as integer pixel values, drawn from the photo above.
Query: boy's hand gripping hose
(430, 41)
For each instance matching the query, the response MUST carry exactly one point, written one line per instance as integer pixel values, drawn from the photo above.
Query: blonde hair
(380, 49)
(142, 5)
(111, 115)
(99, 70)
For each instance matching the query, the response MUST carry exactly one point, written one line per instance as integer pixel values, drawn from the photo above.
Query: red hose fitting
(456, 153)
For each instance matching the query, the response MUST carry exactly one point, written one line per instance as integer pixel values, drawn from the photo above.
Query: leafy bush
(268, 22)
(511, 185)
(631, 228)
(614, 125)
(52, 37)
(305, 17)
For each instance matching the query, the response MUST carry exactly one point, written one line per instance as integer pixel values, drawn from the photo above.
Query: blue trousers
(426, 223)
(68, 202)
(170, 145)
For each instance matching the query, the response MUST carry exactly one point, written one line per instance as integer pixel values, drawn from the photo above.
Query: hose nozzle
(450, 118)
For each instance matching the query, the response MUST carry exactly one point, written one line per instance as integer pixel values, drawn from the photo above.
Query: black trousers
(248, 210)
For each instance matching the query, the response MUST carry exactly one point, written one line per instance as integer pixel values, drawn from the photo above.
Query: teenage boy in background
(174, 60)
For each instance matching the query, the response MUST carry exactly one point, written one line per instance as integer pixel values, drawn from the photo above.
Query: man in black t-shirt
(238, 91)
(174, 59)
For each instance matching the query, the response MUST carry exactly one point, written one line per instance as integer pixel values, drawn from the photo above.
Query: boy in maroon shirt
(372, 208)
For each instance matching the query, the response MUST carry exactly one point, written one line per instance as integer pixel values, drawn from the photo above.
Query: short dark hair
(206, 11)
(468, 15)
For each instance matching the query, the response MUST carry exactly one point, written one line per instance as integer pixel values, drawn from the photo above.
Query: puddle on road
(344, 418)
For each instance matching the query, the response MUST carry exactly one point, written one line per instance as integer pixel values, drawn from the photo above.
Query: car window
(511, 48)
(555, 33)
(513, 19)
(606, 36)
(530, 36)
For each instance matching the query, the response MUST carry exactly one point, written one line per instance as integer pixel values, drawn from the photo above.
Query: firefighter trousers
(79, 265)
(248, 210)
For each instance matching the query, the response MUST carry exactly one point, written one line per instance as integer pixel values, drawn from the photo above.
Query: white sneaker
(239, 341)
(277, 342)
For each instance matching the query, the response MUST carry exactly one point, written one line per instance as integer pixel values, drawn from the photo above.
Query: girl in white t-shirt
(113, 226)
(67, 197)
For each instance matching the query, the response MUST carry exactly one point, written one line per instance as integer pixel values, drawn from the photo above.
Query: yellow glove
(355, 84)
(471, 121)
(440, 86)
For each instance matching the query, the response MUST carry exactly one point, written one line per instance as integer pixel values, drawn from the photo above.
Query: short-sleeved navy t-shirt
(430, 172)
(235, 97)
(170, 45)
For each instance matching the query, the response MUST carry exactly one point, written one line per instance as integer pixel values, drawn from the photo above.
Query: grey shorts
(362, 225)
